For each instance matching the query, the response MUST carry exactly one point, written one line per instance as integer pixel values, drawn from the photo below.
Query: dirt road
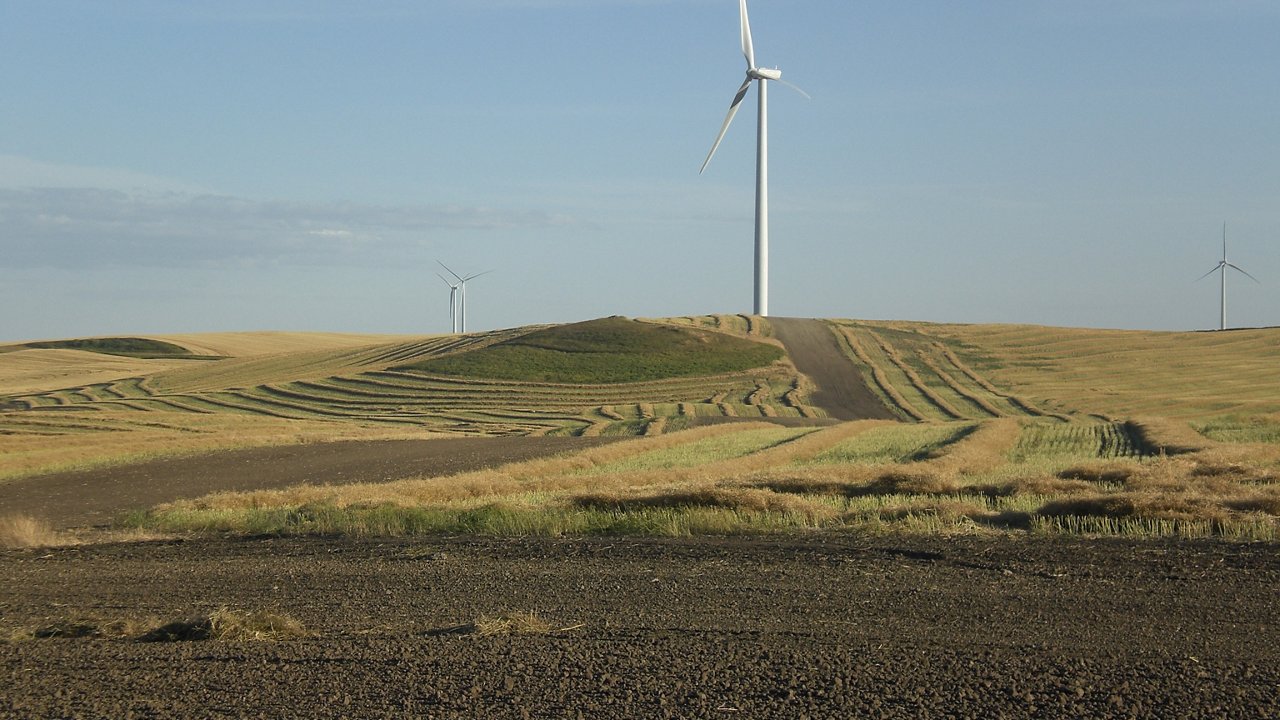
(823, 627)
(842, 391)
(95, 497)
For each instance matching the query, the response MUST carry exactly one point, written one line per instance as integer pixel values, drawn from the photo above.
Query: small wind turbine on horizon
(453, 303)
(1222, 266)
(458, 297)
(754, 74)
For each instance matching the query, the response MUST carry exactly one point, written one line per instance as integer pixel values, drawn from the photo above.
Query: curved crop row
(890, 393)
(1023, 406)
(982, 404)
(913, 378)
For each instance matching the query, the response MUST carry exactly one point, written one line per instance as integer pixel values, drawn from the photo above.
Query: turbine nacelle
(764, 74)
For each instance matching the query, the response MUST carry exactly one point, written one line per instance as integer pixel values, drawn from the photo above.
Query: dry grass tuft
(1051, 486)
(1114, 472)
(24, 531)
(738, 499)
(913, 481)
(1169, 436)
(229, 625)
(90, 628)
(513, 623)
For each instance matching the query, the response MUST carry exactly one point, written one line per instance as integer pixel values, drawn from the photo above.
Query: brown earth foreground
(823, 626)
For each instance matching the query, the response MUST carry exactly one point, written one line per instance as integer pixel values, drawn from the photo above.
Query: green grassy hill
(608, 350)
(122, 346)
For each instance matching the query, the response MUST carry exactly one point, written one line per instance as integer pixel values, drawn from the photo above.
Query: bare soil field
(820, 626)
(97, 496)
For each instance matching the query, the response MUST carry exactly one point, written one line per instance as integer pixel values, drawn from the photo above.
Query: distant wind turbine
(1222, 267)
(453, 303)
(458, 310)
(760, 74)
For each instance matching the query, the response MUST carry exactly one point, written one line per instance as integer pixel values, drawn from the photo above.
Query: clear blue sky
(242, 165)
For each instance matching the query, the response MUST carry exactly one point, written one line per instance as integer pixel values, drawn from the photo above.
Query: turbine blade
(1235, 267)
(1214, 270)
(793, 87)
(446, 267)
(446, 280)
(748, 50)
(476, 275)
(733, 110)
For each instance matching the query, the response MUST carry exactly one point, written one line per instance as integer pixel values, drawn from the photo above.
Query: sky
(286, 165)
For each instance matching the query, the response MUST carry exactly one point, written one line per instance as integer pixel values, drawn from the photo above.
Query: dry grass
(36, 371)
(242, 344)
(223, 624)
(24, 531)
(159, 434)
(1124, 373)
(512, 623)
(229, 625)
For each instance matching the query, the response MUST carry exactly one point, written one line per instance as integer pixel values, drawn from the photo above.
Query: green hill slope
(608, 350)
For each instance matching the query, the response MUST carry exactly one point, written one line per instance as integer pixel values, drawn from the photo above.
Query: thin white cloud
(278, 11)
(92, 227)
(24, 172)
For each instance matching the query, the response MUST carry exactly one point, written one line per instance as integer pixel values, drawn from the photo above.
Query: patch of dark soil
(180, 631)
(788, 627)
(841, 391)
(96, 497)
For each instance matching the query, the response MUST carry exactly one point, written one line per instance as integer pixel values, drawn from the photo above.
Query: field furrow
(889, 392)
(978, 405)
(921, 389)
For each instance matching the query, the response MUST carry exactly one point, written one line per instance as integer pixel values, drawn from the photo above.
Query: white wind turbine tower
(453, 303)
(461, 289)
(1222, 266)
(754, 74)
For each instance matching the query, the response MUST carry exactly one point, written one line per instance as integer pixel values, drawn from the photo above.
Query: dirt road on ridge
(841, 391)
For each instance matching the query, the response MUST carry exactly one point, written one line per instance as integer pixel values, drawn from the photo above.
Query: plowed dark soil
(841, 391)
(833, 627)
(95, 497)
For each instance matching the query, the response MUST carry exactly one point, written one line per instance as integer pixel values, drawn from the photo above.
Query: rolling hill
(608, 376)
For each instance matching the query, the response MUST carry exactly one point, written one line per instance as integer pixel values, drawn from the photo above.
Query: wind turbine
(461, 289)
(1222, 266)
(453, 303)
(755, 73)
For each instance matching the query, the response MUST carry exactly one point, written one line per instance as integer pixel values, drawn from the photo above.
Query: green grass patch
(894, 444)
(608, 350)
(124, 346)
(497, 519)
(1240, 429)
(1043, 440)
(707, 450)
